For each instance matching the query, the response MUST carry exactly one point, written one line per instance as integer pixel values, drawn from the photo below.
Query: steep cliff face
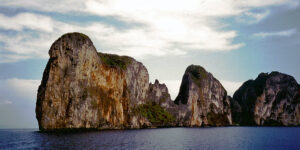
(85, 89)
(270, 99)
(82, 88)
(202, 100)
(159, 95)
(155, 112)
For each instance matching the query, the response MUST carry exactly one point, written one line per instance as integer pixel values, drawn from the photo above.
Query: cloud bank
(169, 27)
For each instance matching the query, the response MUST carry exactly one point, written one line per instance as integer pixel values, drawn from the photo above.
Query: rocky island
(85, 89)
(271, 100)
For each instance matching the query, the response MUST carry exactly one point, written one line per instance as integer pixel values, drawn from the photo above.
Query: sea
(210, 138)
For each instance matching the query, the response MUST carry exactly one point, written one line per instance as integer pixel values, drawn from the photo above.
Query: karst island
(83, 88)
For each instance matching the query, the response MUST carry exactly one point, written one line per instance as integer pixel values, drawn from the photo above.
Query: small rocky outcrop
(202, 100)
(269, 100)
(159, 95)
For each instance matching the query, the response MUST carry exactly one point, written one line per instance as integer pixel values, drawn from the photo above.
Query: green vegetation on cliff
(115, 61)
(75, 34)
(198, 73)
(154, 113)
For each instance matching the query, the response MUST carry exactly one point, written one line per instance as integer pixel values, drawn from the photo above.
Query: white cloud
(45, 5)
(27, 20)
(25, 46)
(136, 42)
(220, 7)
(9, 58)
(15, 89)
(258, 16)
(140, 8)
(169, 27)
(35, 44)
(259, 3)
(251, 17)
(284, 33)
(231, 86)
(5, 102)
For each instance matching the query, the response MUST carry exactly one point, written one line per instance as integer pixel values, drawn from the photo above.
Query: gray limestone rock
(271, 99)
(202, 100)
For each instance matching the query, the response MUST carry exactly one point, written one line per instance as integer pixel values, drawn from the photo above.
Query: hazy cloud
(26, 21)
(9, 58)
(251, 17)
(224, 7)
(284, 33)
(5, 102)
(15, 89)
(170, 27)
(62, 6)
(17, 103)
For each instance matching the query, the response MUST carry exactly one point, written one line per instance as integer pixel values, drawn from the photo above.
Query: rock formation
(202, 100)
(159, 94)
(83, 88)
(270, 100)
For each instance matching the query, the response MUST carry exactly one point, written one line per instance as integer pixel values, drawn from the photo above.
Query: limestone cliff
(159, 94)
(85, 89)
(270, 99)
(202, 100)
(157, 108)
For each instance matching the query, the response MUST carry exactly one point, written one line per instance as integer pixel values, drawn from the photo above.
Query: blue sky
(234, 40)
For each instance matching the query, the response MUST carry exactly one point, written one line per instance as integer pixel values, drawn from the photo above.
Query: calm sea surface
(227, 138)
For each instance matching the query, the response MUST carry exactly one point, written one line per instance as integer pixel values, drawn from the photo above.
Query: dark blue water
(225, 138)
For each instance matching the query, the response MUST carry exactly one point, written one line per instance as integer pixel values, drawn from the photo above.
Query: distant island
(85, 89)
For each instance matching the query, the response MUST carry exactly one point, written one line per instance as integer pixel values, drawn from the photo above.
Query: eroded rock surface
(159, 94)
(202, 100)
(271, 99)
(85, 89)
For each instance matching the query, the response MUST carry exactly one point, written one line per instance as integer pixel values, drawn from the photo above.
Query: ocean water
(223, 138)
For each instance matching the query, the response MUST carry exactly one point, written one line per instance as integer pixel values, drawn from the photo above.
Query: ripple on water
(167, 138)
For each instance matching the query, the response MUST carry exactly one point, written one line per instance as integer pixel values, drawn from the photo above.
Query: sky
(233, 40)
